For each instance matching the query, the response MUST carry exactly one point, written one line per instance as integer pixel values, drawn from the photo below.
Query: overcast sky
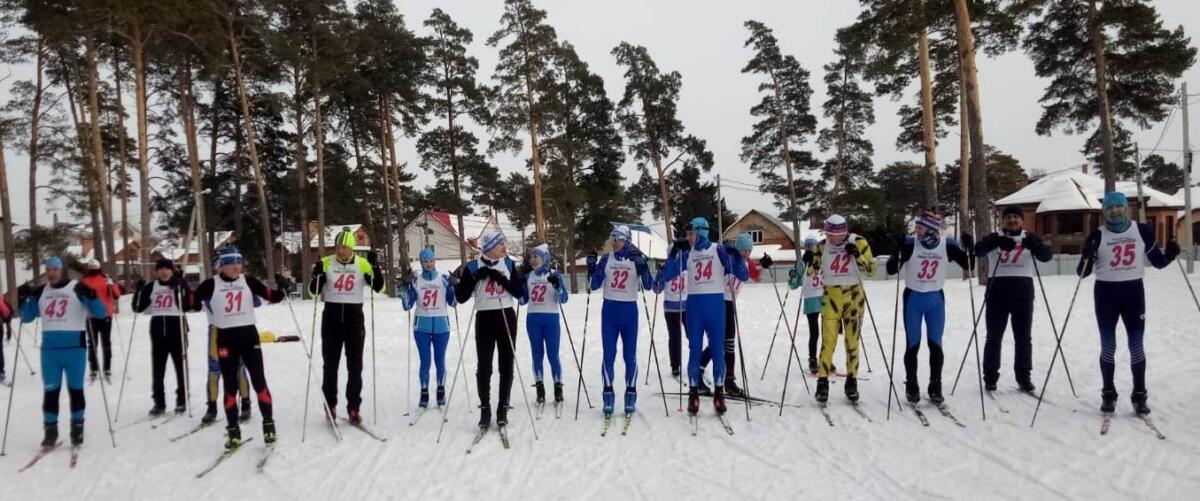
(703, 40)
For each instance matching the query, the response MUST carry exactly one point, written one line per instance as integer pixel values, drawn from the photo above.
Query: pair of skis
(694, 420)
(942, 409)
(824, 407)
(1106, 421)
(46, 450)
(624, 425)
(558, 409)
(483, 429)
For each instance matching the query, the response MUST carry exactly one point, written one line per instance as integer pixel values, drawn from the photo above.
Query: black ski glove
(766, 262)
(1172, 250)
(852, 250)
(555, 281)
(84, 292)
(1032, 242)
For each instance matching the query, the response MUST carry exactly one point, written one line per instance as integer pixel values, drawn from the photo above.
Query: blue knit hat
(698, 225)
(427, 254)
(930, 220)
(1115, 198)
(744, 242)
(229, 254)
(54, 262)
(490, 241)
(620, 233)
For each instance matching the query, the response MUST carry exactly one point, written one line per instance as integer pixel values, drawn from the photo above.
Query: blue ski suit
(63, 350)
(431, 333)
(618, 315)
(543, 293)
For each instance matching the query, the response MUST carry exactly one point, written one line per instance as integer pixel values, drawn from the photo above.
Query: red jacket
(106, 293)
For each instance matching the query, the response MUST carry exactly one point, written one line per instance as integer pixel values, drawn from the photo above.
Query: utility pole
(1137, 165)
(720, 227)
(1187, 183)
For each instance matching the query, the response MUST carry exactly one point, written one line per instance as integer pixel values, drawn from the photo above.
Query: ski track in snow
(795, 455)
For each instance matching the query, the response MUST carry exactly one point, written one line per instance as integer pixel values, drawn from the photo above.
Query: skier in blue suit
(706, 266)
(544, 292)
(64, 306)
(618, 273)
(432, 294)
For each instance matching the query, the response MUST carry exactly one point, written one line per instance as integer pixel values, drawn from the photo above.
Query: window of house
(1070, 223)
(756, 236)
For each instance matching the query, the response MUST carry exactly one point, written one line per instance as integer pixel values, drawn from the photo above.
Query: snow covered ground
(771, 456)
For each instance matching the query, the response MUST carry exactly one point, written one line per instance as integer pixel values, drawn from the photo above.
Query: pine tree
(851, 110)
(784, 119)
(647, 114)
(1111, 64)
(1162, 176)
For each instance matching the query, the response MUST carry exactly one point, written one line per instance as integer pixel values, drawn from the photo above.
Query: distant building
(292, 242)
(1065, 206)
(440, 230)
(771, 235)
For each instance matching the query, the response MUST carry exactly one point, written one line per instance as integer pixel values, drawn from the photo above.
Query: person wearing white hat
(544, 292)
(618, 272)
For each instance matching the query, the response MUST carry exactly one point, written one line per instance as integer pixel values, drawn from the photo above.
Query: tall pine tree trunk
(785, 152)
(123, 178)
(319, 132)
(454, 174)
(251, 143)
(839, 175)
(656, 159)
(101, 169)
(302, 180)
(10, 258)
(964, 152)
(980, 199)
(213, 142)
(385, 176)
(928, 133)
(1100, 61)
(395, 170)
(35, 118)
(187, 100)
(143, 131)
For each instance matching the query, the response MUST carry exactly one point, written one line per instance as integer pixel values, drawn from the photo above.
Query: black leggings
(165, 336)
(491, 327)
(100, 333)
(814, 333)
(676, 323)
(238, 346)
(342, 325)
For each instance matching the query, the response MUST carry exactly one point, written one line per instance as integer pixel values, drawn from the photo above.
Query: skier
(163, 298)
(743, 244)
(1114, 251)
(812, 293)
(432, 294)
(213, 388)
(340, 279)
(1010, 294)
(925, 256)
(229, 298)
(544, 292)
(618, 315)
(100, 329)
(64, 306)
(494, 282)
(674, 294)
(844, 299)
(706, 265)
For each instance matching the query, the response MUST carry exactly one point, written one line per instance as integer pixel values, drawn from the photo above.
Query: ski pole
(737, 329)
(374, 380)
(653, 324)
(975, 338)
(587, 310)
(183, 347)
(1058, 345)
(112, 435)
(12, 390)
(508, 334)
(578, 366)
(1189, 284)
(308, 348)
(470, 322)
(408, 368)
(462, 350)
(782, 317)
(787, 373)
(987, 288)
(878, 340)
(26, 358)
(1054, 327)
(125, 371)
(895, 328)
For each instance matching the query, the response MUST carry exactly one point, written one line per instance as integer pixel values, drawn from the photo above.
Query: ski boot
(558, 393)
(77, 432)
(245, 416)
(93, 375)
(485, 415)
(541, 392)
(502, 414)
(912, 392)
(158, 409)
(441, 396)
(822, 390)
(852, 389)
(180, 407)
(353, 416)
(676, 374)
(1108, 401)
(991, 385)
(210, 415)
(812, 365)
(935, 393)
(107, 377)
(51, 437)
(609, 397)
(233, 437)
(269, 431)
(424, 402)
(1139, 402)
(630, 400)
(3, 377)
(331, 413)
(705, 390)
(693, 401)
(719, 400)
(1026, 386)
(732, 389)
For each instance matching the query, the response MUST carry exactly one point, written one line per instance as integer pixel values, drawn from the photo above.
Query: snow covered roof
(171, 248)
(291, 240)
(1074, 190)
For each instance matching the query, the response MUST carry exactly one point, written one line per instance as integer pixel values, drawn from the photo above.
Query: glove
(372, 258)
(555, 281)
(1172, 249)
(1006, 244)
(1032, 241)
(282, 283)
(679, 245)
(24, 292)
(108, 281)
(852, 249)
(591, 263)
(807, 258)
(525, 268)
(966, 242)
(496, 276)
(766, 262)
(792, 274)
(84, 292)
(142, 283)
(481, 273)
(453, 279)
(638, 259)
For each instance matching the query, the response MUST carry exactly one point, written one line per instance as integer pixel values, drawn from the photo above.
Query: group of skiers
(699, 283)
